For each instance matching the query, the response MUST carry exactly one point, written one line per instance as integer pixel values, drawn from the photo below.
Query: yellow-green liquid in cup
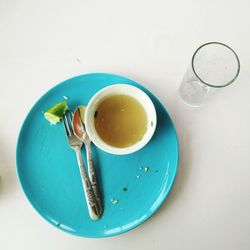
(120, 121)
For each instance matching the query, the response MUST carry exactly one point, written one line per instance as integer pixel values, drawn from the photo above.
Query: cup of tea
(120, 119)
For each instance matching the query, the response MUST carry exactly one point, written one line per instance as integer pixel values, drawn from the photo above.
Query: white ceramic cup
(120, 89)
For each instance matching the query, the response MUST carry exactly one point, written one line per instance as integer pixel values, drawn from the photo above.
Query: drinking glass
(214, 66)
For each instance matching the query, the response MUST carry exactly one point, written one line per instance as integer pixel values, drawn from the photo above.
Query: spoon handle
(92, 177)
(92, 204)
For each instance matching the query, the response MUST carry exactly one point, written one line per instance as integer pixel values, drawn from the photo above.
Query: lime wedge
(55, 113)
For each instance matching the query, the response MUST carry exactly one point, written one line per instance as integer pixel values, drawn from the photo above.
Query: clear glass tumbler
(214, 65)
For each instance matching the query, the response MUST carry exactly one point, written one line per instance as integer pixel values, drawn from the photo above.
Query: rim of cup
(223, 84)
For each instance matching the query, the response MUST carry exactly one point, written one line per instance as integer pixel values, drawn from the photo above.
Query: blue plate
(50, 178)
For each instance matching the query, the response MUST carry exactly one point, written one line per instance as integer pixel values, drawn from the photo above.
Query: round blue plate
(50, 178)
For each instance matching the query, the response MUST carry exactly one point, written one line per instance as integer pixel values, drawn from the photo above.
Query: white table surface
(45, 42)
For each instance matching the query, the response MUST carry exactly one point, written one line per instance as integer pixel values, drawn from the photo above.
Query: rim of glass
(207, 83)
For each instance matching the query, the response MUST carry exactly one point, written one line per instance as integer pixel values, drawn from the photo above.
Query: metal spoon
(80, 132)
